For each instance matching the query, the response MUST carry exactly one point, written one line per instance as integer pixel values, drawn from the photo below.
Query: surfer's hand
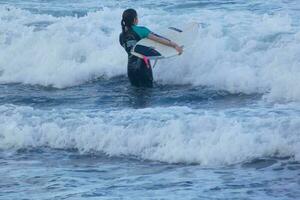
(178, 49)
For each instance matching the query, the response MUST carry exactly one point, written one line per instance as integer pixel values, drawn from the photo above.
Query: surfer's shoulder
(142, 31)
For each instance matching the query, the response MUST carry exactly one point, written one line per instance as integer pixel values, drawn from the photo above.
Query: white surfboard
(154, 50)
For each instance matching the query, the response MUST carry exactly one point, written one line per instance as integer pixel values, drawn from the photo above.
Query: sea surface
(222, 121)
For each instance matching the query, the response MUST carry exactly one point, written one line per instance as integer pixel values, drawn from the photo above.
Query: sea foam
(173, 135)
(237, 51)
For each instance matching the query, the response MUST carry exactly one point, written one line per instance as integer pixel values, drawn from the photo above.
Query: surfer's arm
(166, 42)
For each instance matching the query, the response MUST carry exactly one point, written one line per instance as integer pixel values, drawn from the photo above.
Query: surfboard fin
(155, 62)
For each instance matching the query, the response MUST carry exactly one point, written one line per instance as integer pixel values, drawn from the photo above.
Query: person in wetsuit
(139, 72)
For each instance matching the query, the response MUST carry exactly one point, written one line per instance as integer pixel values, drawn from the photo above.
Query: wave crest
(175, 134)
(237, 51)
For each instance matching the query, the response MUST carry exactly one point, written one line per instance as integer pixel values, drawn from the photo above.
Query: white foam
(68, 52)
(237, 51)
(256, 56)
(175, 134)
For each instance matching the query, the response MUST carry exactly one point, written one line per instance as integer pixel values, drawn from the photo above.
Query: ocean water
(222, 122)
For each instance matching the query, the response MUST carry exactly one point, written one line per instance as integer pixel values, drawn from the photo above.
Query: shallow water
(222, 121)
(49, 174)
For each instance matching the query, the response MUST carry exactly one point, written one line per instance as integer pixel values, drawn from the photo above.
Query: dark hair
(128, 18)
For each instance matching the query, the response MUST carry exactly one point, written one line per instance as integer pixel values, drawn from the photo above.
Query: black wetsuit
(139, 73)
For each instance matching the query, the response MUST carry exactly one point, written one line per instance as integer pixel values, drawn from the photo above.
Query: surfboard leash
(146, 60)
(148, 63)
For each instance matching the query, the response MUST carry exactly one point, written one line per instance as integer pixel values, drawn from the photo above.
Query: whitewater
(222, 121)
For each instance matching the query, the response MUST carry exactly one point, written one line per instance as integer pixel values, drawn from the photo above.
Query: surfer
(139, 70)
